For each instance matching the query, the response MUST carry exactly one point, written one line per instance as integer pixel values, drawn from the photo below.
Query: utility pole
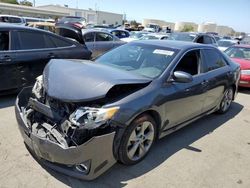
(77, 4)
(34, 3)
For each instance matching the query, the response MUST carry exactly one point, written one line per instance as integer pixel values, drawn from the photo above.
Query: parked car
(155, 36)
(134, 35)
(120, 33)
(201, 38)
(12, 20)
(241, 55)
(115, 108)
(47, 26)
(24, 51)
(152, 27)
(223, 44)
(98, 41)
(74, 21)
(29, 20)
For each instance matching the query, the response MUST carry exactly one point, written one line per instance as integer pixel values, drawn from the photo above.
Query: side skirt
(179, 126)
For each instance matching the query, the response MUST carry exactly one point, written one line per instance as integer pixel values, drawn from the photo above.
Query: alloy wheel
(140, 140)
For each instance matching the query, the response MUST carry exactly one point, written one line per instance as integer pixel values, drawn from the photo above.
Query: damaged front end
(74, 139)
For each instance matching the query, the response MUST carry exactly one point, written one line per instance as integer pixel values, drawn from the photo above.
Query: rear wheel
(226, 100)
(137, 140)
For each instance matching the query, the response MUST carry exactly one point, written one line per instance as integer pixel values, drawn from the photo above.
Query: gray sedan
(100, 41)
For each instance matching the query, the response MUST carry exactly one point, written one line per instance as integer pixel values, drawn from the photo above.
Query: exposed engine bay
(71, 124)
(65, 123)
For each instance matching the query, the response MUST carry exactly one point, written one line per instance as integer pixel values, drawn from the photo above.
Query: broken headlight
(38, 87)
(92, 118)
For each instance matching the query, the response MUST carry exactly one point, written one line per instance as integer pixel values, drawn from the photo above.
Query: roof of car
(172, 44)
(242, 45)
(20, 27)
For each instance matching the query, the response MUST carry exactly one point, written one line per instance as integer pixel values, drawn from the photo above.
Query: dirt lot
(212, 152)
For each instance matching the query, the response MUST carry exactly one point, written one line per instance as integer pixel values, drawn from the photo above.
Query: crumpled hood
(80, 81)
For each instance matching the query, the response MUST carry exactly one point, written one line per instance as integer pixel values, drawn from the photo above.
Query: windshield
(238, 52)
(141, 59)
(225, 43)
(181, 37)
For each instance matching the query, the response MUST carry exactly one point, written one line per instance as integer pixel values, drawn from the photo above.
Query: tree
(9, 1)
(26, 3)
(187, 28)
(133, 23)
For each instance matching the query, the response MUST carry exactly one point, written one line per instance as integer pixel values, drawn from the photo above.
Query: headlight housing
(92, 118)
(37, 90)
(245, 72)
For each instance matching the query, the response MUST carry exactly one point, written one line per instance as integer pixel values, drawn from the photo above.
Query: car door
(103, 43)
(217, 74)
(8, 69)
(89, 39)
(33, 52)
(186, 99)
(65, 49)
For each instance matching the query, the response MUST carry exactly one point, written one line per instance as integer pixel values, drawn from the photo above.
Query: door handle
(205, 82)
(229, 73)
(51, 55)
(6, 58)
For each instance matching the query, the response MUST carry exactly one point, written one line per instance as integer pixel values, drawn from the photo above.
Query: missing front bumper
(96, 154)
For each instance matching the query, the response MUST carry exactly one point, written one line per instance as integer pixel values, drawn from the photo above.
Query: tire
(137, 140)
(226, 100)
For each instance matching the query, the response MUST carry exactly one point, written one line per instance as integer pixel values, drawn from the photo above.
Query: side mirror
(182, 77)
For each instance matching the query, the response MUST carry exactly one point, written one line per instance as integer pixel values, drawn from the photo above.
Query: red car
(241, 55)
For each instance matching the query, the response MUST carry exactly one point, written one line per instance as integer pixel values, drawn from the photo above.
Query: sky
(233, 13)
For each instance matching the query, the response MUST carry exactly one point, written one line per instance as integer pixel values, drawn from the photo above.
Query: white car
(12, 19)
(223, 44)
(155, 36)
(134, 35)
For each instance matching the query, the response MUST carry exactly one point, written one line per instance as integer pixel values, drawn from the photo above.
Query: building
(179, 26)
(207, 27)
(224, 30)
(27, 11)
(161, 23)
(92, 16)
(56, 11)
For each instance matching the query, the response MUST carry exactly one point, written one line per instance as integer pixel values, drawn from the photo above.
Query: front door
(185, 100)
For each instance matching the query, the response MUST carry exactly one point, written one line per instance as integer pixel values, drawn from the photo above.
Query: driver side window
(190, 63)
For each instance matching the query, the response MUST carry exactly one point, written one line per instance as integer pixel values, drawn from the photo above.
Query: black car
(115, 108)
(201, 38)
(25, 51)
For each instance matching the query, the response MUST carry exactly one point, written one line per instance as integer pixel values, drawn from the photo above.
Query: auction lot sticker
(163, 52)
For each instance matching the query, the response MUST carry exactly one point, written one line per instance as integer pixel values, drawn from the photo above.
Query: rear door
(89, 39)
(103, 43)
(217, 74)
(33, 52)
(8, 69)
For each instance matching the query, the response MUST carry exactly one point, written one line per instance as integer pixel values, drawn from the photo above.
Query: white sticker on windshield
(163, 52)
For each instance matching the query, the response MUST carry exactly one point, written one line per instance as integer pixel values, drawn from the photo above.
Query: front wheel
(226, 100)
(137, 140)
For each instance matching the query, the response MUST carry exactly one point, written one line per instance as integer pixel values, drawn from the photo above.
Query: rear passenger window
(207, 40)
(4, 40)
(33, 40)
(89, 37)
(213, 60)
(103, 37)
(60, 42)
